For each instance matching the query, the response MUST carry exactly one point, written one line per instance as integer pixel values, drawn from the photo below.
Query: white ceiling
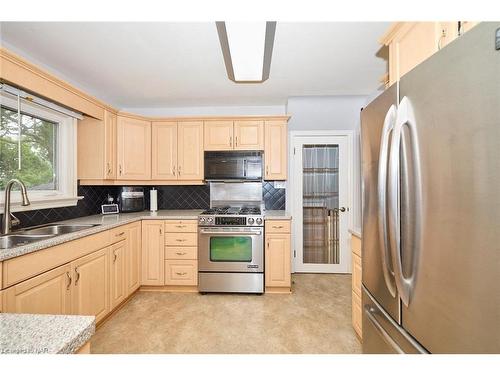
(134, 65)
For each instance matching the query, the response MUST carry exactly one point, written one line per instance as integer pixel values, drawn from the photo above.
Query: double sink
(30, 235)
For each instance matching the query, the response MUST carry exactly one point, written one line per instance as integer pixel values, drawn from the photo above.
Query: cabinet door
(218, 135)
(133, 257)
(249, 135)
(90, 293)
(153, 253)
(118, 274)
(190, 151)
(134, 149)
(278, 268)
(91, 150)
(48, 293)
(275, 151)
(164, 150)
(110, 145)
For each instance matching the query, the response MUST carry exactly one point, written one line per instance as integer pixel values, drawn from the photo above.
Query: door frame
(293, 181)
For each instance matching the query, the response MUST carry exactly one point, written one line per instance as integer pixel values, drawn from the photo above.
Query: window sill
(40, 204)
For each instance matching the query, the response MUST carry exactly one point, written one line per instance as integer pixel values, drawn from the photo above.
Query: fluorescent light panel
(247, 49)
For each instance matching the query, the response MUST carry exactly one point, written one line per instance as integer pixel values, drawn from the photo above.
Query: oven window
(230, 249)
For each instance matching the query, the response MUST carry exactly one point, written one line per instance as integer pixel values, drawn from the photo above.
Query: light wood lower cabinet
(133, 257)
(357, 315)
(153, 253)
(90, 294)
(181, 253)
(277, 256)
(48, 293)
(118, 273)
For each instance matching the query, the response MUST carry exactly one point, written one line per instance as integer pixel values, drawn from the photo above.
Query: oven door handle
(256, 233)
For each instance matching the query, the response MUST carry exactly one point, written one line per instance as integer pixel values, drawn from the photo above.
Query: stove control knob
(258, 221)
(250, 220)
(202, 220)
(210, 219)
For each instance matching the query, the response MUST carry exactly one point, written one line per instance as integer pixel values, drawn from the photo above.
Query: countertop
(107, 222)
(49, 334)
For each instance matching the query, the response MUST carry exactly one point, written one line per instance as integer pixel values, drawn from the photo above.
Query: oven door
(231, 249)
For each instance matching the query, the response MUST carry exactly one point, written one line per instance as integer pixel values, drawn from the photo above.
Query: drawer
(181, 226)
(174, 252)
(181, 272)
(118, 234)
(356, 274)
(356, 245)
(277, 226)
(181, 239)
(357, 314)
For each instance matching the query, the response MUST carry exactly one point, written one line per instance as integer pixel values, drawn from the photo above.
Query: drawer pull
(179, 253)
(181, 273)
(277, 226)
(180, 226)
(181, 240)
(119, 234)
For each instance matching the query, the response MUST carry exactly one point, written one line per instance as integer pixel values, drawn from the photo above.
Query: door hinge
(294, 254)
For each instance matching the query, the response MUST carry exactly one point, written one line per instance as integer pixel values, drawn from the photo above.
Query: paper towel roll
(153, 199)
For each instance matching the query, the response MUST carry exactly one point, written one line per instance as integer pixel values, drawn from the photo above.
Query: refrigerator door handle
(389, 121)
(370, 314)
(405, 117)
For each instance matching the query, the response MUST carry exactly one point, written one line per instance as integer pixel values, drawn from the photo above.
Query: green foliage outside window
(38, 150)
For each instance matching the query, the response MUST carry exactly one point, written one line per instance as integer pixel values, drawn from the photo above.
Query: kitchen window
(37, 146)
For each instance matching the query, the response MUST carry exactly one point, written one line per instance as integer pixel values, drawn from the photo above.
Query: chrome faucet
(9, 220)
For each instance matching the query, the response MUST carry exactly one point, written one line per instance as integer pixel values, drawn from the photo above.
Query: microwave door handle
(245, 168)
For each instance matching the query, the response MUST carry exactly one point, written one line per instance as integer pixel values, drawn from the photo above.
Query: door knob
(342, 209)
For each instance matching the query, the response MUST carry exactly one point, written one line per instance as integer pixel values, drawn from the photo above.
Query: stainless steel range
(231, 241)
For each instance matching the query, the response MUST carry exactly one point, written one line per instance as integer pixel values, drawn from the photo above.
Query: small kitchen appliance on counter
(131, 199)
(231, 240)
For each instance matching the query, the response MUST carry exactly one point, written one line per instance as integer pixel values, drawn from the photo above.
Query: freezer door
(377, 276)
(452, 265)
(381, 334)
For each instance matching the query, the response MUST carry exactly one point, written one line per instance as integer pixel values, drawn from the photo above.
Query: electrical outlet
(280, 184)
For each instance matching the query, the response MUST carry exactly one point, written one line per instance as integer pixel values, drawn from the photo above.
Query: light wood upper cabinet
(190, 151)
(97, 147)
(48, 293)
(164, 150)
(134, 149)
(410, 43)
(90, 294)
(133, 257)
(118, 273)
(275, 150)
(153, 253)
(218, 135)
(249, 135)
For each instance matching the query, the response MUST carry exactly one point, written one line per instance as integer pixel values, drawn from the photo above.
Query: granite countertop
(44, 334)
(107, 222)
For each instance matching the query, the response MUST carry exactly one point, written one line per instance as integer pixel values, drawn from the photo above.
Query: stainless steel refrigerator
(431, 204)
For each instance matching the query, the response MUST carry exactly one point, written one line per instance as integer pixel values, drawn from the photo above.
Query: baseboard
(116, 309)
(170, 288)
(278, 290)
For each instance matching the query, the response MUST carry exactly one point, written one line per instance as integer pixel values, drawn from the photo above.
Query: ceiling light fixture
(247, 48)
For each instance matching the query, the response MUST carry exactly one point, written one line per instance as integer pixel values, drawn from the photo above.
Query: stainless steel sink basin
(27, 236)
(13, 240)
(57, 229)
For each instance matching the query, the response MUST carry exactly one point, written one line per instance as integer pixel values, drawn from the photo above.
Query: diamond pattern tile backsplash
(169, 197)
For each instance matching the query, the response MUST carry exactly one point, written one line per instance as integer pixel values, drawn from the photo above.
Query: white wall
(210, 110)
(332, 113)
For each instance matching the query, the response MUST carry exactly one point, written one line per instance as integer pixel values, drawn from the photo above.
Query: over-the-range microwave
(233, 166)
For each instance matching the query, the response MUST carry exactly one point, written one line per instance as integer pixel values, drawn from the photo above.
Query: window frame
(66, 162)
